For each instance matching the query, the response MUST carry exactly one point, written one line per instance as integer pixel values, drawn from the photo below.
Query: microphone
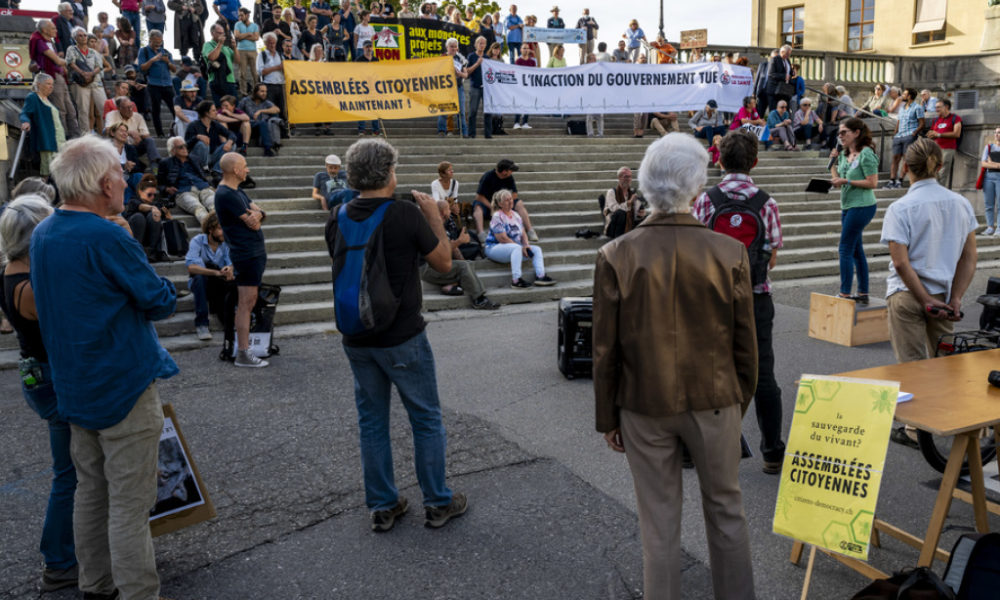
(994, 378)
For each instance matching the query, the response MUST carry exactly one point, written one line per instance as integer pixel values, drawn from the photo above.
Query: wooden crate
(845, 322)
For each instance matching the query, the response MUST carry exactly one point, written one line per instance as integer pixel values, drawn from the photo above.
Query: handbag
(979, 180)
(785, 89)
(81, 79)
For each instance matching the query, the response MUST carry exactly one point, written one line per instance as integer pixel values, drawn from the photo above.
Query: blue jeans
(203, 156)
(521, 119)
(376, 128)
(515, 50)
(263, 127)
(991, 194)
(852, 254)
(464, 126)
(708, 132)
(219, 296)
(132, 16)
(475, 99)
(410, 366)
(57, 532)
(151, 26)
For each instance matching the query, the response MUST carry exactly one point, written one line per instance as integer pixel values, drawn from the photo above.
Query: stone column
(991, 29)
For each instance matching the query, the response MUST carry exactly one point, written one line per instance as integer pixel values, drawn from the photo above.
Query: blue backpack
(363, 300)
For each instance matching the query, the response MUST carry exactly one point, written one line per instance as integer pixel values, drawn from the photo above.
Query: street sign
(694, 38)
(14, 68)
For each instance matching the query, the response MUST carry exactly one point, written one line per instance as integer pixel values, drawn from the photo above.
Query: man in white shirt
(270, 68)
(138, 133)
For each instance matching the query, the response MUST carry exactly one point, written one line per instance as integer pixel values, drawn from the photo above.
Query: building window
(929, 21)
(861, 25)
(792, 26)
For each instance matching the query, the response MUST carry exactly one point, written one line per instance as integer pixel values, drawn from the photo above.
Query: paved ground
(552, 509)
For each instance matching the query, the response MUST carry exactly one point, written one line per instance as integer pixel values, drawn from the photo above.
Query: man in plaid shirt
(737, 155)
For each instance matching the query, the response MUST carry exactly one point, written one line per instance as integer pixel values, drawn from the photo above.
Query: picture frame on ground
(181, 497)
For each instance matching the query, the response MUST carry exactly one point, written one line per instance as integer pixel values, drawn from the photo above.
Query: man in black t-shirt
(241, 221)
(492, 181)
(400, 354)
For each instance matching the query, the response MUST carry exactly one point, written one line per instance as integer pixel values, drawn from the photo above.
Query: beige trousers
(197, 202)
(653, 450)
(116, 488)
(913, 332)
(89, 100)
(246, 71)
(944, 175)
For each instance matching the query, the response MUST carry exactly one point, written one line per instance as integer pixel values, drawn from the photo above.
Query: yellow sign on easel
(834, 462)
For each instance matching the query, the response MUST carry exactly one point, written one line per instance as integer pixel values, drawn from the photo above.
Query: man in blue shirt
(228, 10)
(97, 298)
(212, 282)
(515, 32)
(157, 64)
(911, 121)
(323, 12)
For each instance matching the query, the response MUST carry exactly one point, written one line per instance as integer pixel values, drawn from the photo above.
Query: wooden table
(952, 398)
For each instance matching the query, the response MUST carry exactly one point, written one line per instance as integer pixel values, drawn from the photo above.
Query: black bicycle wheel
(936, 449)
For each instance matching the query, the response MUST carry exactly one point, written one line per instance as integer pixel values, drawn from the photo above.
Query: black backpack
(741, 219)
(974, 567)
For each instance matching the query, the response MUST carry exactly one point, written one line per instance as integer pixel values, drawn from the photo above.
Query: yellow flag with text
(356, 91)
(834, 461)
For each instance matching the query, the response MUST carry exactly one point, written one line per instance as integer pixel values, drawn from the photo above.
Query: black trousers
(158, 93)
(147, 232)
(617, 225)
(767, 398)
(276, 94)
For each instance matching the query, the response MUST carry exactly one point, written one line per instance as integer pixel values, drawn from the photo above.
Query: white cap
(332, 159)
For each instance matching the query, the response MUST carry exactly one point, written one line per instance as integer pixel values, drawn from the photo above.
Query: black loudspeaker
(575, 327)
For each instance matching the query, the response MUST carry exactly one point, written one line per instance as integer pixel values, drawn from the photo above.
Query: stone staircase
(559, 181)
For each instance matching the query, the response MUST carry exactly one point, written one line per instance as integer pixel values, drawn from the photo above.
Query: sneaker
(437, 516)
(517, 126)
(772, 467)
(203, 333)
(268, 152)
(889, 185)
(525, 126)
(520, 283)
(544, 281)
(245, 358)
(532, 236)
(997, 232)
(57, 579)
(383, 520)
(484, 303)
(482, 237)
(989, 231)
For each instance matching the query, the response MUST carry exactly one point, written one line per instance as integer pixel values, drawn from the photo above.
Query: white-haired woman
(288, 18)
(18, 301)
(651, 397)
(40, 118)
(86, 65)
(507, 242)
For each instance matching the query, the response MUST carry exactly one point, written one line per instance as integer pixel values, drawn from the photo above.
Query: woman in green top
(558, 57)
(856, 173)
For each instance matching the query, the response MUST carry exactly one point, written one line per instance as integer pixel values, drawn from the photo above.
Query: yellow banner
(325, 92)
(834, 461)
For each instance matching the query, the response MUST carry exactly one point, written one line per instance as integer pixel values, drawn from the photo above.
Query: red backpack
(741, 219)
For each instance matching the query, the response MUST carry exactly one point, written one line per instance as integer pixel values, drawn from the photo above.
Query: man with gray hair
(183, 179)
(677, 280)
(399, 355)
(138, 133)
(157, 64)
(43, 48)
(96, 297)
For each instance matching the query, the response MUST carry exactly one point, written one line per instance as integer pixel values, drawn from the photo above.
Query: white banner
(613, 88)
(555, 36)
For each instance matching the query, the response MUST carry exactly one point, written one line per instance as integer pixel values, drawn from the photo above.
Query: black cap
(713, 103)
(187, 62)
(506, 164)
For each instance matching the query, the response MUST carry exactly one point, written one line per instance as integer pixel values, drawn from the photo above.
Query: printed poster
(613, 88)
(404, 39)
(176, 485)
(14, 69)
(834, 462)
(325, 92)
